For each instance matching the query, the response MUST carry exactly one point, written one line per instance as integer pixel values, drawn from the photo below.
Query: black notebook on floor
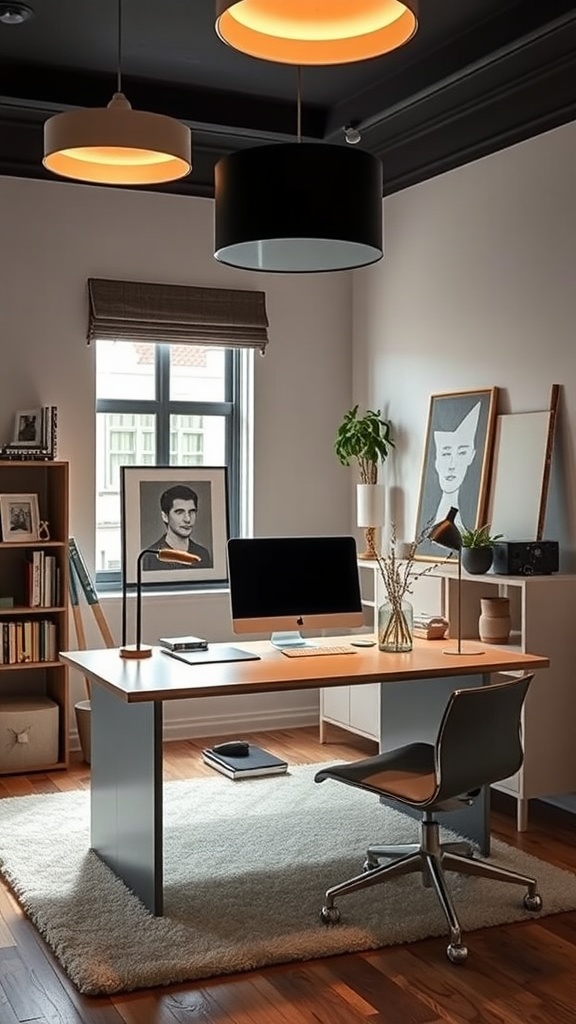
(256, 762)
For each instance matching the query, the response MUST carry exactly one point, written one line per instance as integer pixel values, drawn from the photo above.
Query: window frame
(162, 408)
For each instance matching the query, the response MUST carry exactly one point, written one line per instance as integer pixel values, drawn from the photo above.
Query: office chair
(478, 742)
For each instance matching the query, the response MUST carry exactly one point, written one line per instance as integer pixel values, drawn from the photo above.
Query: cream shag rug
(246, 867)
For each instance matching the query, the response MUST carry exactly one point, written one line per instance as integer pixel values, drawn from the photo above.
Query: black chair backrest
(479, 740)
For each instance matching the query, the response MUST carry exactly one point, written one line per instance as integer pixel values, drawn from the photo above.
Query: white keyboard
(310, 652)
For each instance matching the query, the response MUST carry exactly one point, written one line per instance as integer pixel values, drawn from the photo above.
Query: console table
(127, 700)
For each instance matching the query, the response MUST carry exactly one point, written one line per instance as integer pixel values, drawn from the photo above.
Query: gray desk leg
(126, 792)
(410, 713)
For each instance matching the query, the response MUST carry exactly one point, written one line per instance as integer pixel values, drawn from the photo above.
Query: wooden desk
(127, 700)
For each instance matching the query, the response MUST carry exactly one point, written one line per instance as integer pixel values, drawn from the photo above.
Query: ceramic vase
(395, 626)
(494, 621)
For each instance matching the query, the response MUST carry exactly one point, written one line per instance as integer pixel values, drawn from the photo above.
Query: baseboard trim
(228, 725)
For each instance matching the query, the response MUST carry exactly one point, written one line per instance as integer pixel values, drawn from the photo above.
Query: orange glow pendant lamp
(316, 33)
(116, 145)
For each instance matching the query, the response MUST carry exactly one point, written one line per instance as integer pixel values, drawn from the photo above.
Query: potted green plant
(366, 440)
(478, 548)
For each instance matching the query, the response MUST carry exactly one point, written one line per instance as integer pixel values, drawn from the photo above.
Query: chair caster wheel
(533, 902)
(457, 954)
(370, 865)
(330, 915)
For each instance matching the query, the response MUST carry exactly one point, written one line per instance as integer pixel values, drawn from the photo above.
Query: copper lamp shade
(299, 207)
(321, 32)
(116, 145)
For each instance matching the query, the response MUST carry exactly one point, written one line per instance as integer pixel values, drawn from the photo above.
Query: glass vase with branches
(398, 576)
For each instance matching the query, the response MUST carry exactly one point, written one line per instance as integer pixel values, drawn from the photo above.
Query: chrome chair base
(432, 859)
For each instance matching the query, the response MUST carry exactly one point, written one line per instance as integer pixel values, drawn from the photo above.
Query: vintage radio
(525, 557)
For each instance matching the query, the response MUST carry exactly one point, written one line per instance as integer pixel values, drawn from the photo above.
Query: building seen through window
(162, 405)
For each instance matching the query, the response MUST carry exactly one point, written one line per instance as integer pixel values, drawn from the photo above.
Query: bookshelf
(34, 624)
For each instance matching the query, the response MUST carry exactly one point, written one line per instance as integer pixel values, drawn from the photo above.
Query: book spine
(79, 565)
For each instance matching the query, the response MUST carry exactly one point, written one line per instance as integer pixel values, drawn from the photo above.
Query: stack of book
(183, 643)
(430, 627)
(256, 762)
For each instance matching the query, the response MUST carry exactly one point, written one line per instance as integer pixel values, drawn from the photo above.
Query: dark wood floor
(519, 974)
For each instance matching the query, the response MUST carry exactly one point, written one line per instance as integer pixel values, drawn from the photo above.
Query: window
(165, 404)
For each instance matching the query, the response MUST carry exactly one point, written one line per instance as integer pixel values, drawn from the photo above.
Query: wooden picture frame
(144, 523)
(519, 491)
(456, 465)
(28, 429)
(20, 518)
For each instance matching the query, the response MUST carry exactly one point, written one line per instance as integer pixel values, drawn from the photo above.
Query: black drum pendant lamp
(298, 207)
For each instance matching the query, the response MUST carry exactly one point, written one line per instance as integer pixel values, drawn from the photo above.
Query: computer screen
(282, 585)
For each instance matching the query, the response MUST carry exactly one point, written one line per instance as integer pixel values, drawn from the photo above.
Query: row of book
(27, 640)
(47, 444)
(42, 584)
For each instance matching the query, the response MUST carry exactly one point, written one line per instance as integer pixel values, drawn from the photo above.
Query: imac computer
(282, 585)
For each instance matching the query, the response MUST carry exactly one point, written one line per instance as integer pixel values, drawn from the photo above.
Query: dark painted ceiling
(479, 75)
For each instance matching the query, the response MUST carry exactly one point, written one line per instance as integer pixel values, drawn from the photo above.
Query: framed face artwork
(456, 465)
(184, 508)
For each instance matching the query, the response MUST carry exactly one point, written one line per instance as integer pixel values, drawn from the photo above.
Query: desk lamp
(139, 650)
(447, 535)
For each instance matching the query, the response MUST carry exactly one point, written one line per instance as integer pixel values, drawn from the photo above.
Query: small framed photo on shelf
(28, 429)
(34, 435)
(19, 517)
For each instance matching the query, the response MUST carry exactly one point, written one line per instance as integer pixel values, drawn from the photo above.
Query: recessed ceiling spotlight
(15, 14)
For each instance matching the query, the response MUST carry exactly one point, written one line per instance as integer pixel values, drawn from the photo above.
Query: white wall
(476, 290)
(54, 236)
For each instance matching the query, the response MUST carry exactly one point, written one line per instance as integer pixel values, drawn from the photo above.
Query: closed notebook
(256, 762)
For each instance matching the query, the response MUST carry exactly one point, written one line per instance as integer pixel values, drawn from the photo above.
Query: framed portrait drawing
(181, 507)
(456, 464)
(20, 518)
(28, 429)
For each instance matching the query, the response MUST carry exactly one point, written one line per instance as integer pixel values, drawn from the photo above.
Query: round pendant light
(299, 207)
(321, 32)
(116, 145)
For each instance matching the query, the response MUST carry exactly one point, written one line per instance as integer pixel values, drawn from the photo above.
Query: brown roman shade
(177, 314)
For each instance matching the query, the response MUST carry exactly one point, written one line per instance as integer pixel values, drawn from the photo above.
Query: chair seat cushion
(407, 773)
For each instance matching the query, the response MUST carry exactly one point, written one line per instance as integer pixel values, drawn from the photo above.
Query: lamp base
(370, 537)
(463, 650)
(133, 652)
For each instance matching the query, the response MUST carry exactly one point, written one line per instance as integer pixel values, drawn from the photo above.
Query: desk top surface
(163, 678)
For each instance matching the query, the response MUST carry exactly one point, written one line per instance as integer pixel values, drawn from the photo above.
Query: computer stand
(290, 638)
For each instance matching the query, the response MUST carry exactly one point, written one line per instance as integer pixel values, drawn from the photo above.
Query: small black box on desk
(526, 557)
